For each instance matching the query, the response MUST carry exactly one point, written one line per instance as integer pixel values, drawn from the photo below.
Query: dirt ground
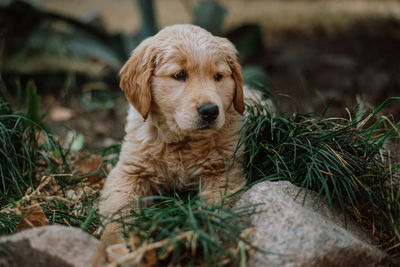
(316, 53)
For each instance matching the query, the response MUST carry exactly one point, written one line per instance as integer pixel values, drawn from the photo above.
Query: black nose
(208, 112)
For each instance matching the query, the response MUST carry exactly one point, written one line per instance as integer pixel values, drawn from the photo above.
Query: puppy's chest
(187, 164)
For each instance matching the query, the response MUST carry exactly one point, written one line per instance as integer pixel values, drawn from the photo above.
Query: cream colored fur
(165, 143)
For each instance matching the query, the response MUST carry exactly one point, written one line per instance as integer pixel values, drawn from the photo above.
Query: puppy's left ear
(230, 51)
(238, 101)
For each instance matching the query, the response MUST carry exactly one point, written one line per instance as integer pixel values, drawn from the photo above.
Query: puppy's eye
(218, 77)
(180, 76)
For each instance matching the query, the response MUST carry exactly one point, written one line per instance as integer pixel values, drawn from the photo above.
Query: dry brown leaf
(100, 184)
(90, 164)
(35, 217)
(115, 246)
(151, 258)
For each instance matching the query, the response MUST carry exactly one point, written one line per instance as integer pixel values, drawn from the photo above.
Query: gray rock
(294, 230)
(53, 245)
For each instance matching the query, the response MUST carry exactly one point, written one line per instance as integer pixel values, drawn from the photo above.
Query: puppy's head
(186, 76)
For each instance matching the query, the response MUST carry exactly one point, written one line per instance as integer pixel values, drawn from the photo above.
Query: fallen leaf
(115, 246)
(35, 217)
(151, 258)
(88, 165)
(60, 114)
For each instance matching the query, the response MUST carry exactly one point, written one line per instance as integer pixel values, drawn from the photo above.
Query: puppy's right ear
(136, 77)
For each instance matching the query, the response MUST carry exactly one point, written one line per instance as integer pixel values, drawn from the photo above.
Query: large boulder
(292, 229)
(54, 245)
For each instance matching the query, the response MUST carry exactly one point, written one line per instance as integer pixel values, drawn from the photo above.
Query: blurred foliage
(32, 103)
(44, 38)
(64, 54)
(209, 15)
(255, 78)
(248, 41)
(149, 23)
(55, 50)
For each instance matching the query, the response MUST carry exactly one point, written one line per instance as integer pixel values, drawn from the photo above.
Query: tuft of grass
(31, 155)
(25, 146)
(185, 232)
(345, 160)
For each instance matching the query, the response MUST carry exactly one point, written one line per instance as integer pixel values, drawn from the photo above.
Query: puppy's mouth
(206, 125)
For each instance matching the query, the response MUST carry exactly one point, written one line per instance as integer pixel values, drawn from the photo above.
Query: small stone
(53, 245)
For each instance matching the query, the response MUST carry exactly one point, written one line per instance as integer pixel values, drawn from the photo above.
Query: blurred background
(309, 55)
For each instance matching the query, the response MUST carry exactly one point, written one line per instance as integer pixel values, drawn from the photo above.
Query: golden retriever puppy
(186, 93)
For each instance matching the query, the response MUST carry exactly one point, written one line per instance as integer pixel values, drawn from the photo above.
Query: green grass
(28, 152)
(186, 231)
(343, 159)
(25, 146)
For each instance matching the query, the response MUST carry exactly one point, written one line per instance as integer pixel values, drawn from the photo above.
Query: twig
(143, 249)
